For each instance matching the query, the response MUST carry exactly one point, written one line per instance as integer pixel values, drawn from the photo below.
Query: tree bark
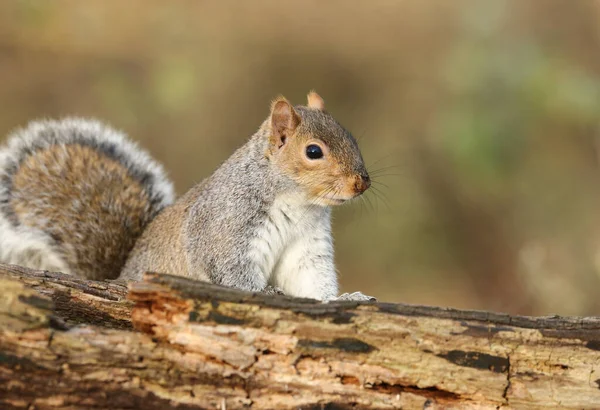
(173, 343)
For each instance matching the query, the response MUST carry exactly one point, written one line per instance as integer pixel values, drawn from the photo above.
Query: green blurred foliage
(478, 119)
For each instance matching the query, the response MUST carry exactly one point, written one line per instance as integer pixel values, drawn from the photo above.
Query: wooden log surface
(172, 343)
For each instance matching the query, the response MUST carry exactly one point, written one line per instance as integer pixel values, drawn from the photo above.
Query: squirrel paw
(272, 290)
(357, 296)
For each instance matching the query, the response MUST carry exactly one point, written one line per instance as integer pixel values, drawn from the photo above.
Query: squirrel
(77, 196)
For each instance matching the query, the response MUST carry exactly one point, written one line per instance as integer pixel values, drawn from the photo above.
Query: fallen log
(173, 343)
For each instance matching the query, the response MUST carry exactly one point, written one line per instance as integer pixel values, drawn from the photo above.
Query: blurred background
(479, 121)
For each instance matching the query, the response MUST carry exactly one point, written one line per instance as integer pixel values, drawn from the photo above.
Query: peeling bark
(67, 343)
(77, 300)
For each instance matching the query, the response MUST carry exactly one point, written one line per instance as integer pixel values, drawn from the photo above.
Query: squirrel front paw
(272, 290)
(356, 296)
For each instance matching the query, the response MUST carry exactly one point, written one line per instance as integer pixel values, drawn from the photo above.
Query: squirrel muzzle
(362, 183)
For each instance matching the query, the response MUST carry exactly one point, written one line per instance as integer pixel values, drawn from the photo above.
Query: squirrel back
(74, 197)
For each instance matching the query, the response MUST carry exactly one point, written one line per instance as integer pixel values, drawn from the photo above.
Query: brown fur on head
(301, 132)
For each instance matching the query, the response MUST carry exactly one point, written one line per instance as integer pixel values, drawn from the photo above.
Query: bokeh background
(479, 121)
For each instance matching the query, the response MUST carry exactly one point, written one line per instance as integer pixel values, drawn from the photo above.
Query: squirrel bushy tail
(74, 181)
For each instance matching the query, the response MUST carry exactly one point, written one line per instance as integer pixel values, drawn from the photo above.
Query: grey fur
(216, 225)
(222, 218)
(248, 225)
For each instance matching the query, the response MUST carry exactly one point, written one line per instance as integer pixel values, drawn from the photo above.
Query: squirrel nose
(363, 182)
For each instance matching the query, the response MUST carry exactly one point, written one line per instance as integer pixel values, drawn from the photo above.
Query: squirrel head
(310, 147)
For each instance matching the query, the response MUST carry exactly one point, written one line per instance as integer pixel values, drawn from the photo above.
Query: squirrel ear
(284, 120)
(315, 101)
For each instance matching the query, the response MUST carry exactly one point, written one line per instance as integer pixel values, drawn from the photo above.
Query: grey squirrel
(77, 197)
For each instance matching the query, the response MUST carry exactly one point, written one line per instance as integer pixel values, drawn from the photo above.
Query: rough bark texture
(66, 343)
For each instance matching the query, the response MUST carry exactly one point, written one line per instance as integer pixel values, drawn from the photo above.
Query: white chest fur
(292, 227)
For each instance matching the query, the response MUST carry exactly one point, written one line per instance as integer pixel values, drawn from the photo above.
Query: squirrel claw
(272, 290)
(356, 296)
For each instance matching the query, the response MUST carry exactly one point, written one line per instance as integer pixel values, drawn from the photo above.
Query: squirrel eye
(313, 151)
